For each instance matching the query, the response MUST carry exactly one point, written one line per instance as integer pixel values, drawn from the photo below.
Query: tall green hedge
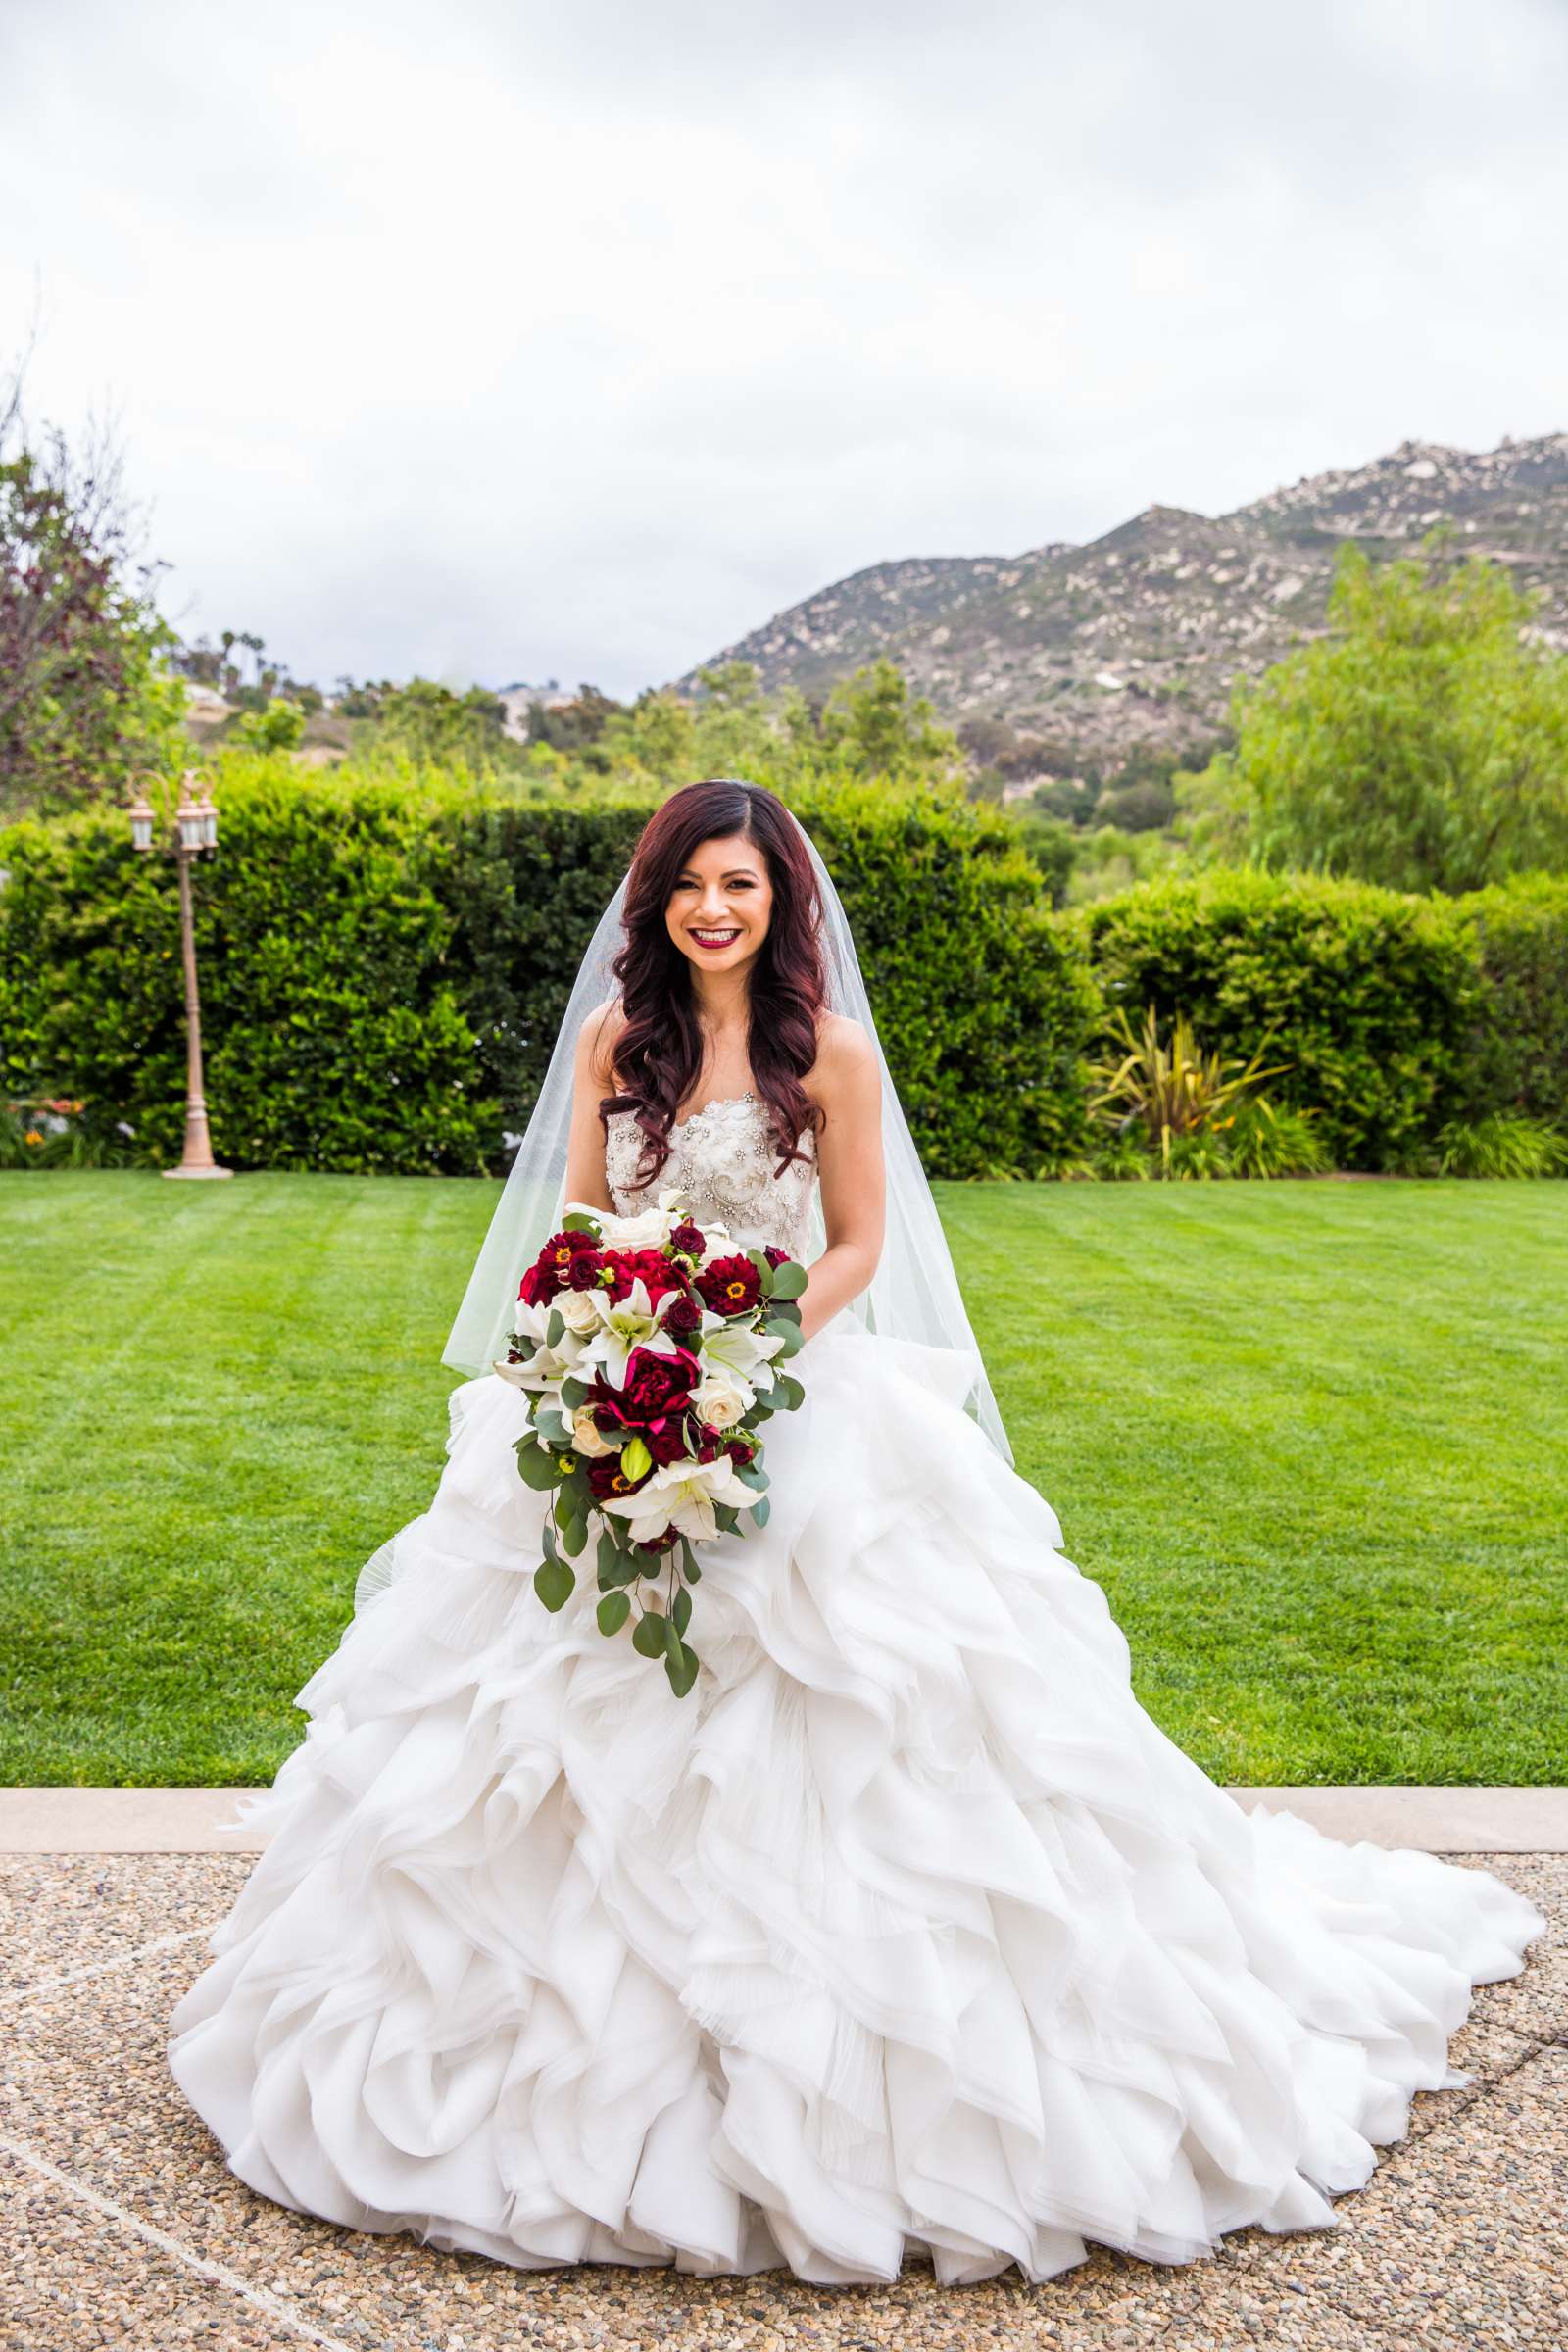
(1374, 998)
(1519, 1054)
(386, 963)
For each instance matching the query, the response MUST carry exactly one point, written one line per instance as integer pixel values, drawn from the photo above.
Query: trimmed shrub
(1519, 1051)
(386, 961)
(984, 1003)
(1373, 999)
(334, 1033)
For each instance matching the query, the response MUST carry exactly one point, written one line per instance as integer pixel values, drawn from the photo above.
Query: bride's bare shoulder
(596, 1039)
(845, 1059)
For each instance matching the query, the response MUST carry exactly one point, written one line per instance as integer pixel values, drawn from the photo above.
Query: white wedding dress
(905, 1933)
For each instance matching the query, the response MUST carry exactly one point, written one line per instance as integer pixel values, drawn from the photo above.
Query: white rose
(586, 1436)
(719, 1402)
(576, 1310)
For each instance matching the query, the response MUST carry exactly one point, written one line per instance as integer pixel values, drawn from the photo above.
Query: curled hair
(659, 1052)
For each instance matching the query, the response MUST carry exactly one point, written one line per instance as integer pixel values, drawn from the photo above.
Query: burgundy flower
(689, 1239)
(740, 1450)
(608, 1479)
(665, 1543)
(552, 1269)
(731, 1286)
(586, 1272)
(776, 1257)
(656, 1385)
(684, 1316)
(669, 1440)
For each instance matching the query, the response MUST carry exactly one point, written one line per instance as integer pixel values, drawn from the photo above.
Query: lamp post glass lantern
(195, 830)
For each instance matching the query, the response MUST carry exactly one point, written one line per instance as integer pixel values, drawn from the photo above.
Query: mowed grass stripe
(1311, 1438)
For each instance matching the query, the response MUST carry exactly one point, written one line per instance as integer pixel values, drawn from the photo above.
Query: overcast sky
(494, 340)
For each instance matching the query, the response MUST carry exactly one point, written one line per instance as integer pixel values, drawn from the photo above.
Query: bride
(905, 1931)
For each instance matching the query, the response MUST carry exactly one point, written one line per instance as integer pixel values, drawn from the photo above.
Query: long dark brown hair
(658, 1053)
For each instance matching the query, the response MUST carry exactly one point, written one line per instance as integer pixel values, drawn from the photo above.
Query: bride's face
(721, 904)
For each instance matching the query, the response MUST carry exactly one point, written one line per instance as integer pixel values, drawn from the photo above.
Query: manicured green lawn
(1313, 1438)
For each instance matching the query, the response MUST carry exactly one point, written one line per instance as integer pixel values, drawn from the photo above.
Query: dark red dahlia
(731, 1286)
(609, 1480)
(552, 1269)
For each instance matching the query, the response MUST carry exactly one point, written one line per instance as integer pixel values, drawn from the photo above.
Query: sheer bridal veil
(914, 1294)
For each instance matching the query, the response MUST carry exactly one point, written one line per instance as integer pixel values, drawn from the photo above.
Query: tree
(873, 722)
(87, 697)
(1422, 744)
(280, 727)
(433, 724)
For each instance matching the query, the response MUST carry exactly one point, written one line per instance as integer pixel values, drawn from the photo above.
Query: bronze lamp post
(195, 830)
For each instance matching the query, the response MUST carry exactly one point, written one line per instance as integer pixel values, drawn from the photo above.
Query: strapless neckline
(715, 1102)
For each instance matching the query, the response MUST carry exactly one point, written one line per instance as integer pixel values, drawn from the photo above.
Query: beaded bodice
(722, 1160)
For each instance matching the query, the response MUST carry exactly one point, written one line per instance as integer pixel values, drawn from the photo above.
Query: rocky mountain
(1136, 638)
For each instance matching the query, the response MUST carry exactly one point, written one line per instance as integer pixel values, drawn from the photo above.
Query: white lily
(682, 1495)
(745, 1356)
(624, 1325)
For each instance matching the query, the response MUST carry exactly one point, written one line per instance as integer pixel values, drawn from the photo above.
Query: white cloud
(518, 341)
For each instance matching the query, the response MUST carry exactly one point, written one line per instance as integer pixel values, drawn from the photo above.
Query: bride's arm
(847, 1084)
(591, 1082)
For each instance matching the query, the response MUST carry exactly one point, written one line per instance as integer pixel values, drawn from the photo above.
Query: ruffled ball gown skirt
(906, 1928)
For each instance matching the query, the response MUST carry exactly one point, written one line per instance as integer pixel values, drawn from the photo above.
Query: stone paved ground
(123, 2228)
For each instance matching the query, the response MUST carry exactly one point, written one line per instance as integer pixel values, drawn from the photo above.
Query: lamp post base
(213, 1171)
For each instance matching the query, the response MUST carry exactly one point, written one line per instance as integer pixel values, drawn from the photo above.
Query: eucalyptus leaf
(535, 1465)
(553, 1582)
(572, 1392)
(682, 1613)
(554, 1327)
(575, 1535)
(612, 1612)
(790, 1337)
(682, 1676)
(648, 1634)
(578, 1222)
(789, 1280)
(760, 1510)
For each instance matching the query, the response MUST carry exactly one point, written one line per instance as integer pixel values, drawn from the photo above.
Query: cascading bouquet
(652, 1353)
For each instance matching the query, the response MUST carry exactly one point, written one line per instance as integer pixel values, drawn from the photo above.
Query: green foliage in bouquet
(594, 1444)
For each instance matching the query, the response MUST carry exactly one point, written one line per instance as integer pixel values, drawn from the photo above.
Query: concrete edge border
(205, 1821)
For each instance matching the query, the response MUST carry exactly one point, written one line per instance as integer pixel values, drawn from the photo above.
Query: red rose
(731, 1286)
(689, 1239)
(586, 1271)
(608, 1479)
(669, 1440)
(740, 1451)
(684, 1316)
(776, 1257)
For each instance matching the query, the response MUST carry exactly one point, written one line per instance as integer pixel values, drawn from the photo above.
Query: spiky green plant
(1174, 1090)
